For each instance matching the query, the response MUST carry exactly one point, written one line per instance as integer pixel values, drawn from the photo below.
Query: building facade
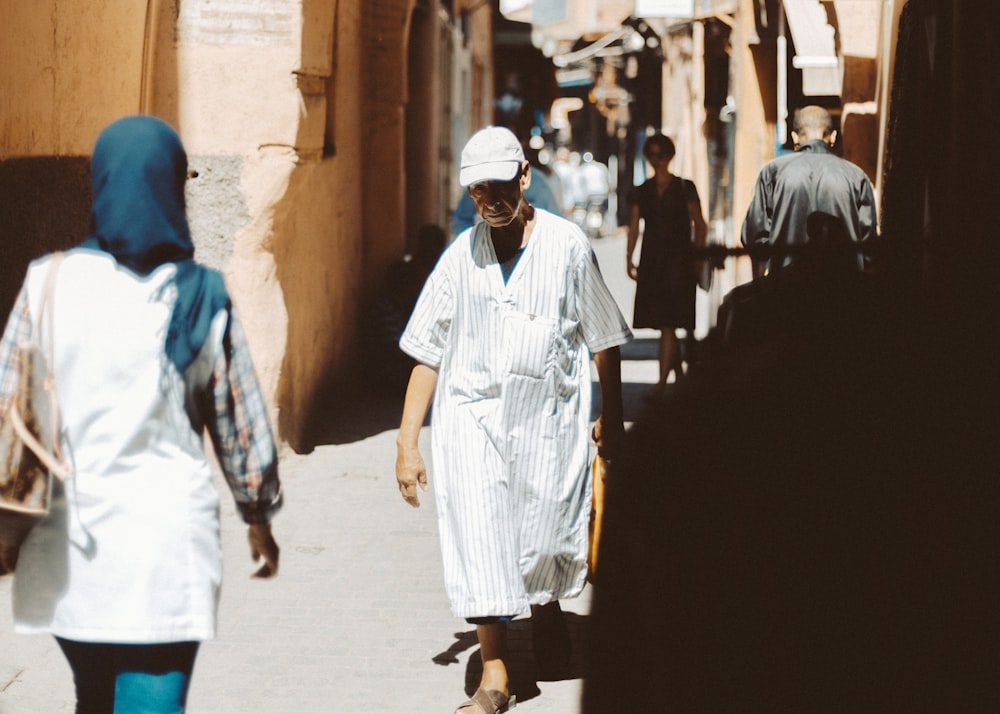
(320, 134)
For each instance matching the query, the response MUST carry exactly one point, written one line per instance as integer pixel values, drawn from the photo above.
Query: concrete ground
(357, 620)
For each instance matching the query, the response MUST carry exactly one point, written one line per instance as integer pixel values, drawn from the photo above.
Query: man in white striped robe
(501, 334)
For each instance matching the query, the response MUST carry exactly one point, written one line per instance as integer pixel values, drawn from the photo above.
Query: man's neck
(509, 239)
(814, 145)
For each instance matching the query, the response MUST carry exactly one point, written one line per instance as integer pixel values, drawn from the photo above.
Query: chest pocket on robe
(528, 342)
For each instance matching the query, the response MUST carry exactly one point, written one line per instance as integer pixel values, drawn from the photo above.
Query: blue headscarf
(138, 172)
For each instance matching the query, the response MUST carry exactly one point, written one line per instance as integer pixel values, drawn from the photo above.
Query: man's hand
(262, 545)
(633, 270)
(410, 471)
(609, 437)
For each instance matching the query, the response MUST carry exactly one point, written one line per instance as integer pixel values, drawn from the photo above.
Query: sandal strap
(490, 701)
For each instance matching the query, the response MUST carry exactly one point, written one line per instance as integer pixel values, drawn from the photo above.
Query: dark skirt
(665, 292)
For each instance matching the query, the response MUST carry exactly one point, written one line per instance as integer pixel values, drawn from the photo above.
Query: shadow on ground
(522, 667)
(359, 412)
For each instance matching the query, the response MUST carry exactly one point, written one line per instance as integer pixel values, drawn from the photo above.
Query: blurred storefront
(720, 77)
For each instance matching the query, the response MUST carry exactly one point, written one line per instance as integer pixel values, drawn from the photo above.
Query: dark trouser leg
(122, 679)
(93, 675)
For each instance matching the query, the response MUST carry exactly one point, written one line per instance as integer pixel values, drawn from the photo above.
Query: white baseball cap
(492, 154)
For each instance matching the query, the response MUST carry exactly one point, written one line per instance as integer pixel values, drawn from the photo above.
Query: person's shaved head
(812, 122)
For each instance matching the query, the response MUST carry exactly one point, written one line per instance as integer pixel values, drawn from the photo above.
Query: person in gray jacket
(809, 196)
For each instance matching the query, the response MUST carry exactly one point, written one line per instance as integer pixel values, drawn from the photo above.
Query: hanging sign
(664, 8)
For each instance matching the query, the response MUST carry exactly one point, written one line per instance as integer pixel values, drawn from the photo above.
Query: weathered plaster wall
(333, 204)
(472, 95)
(480, 40)
(319, 243)
(317, 253)
(754, 69)
(423, 120)
(222, 74)
(217, 207)
(385, 29)
(66, 70)
(683, 103)
(266, 96)
(271, 127)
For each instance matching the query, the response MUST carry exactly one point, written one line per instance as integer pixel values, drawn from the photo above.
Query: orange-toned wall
(270, 207)
(293, 113)
(66, 70)
(754, 71)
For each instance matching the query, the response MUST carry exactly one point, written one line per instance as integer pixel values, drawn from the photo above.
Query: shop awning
(815, 47)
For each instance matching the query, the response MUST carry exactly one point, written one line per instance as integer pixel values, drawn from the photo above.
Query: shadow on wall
(44, 206)
(357, 412)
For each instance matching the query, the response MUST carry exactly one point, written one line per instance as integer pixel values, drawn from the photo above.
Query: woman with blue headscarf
(148, 354)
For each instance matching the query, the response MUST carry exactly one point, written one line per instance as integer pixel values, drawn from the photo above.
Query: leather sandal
(490, 701)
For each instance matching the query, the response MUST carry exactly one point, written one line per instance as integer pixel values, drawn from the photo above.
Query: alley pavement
(357, 619)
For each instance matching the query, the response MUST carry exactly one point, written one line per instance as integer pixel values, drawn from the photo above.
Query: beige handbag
(30, 453)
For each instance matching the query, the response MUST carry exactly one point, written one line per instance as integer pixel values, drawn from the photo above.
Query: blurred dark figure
(388, 367)
(812, 207)
(673, 224)
(431, 241)
(832, 549)
(510, 107)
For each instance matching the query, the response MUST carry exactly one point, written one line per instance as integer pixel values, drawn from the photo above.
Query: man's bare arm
(410, 469)
(610, 428)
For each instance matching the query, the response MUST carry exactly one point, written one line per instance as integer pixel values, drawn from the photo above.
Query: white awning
(665, 8)
(815, 47)
(568, 19)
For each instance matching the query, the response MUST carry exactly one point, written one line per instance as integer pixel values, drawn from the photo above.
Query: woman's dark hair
(664, 143)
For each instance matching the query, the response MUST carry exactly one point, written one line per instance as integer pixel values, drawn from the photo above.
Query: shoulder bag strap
(49, 385)
(53, 459)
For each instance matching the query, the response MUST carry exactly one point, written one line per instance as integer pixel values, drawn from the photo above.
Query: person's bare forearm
(633, 239)
(610, 427)
(609, 372)
(701, 235)
(419, 394)
(410, 469)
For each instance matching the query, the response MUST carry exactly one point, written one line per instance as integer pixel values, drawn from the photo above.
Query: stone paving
(357, 620)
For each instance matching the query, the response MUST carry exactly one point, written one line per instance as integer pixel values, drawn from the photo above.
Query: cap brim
(492, 171)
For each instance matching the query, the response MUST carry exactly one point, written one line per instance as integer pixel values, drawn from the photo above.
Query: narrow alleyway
(357, 621)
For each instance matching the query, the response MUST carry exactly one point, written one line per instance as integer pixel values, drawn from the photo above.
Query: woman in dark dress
(665, 275)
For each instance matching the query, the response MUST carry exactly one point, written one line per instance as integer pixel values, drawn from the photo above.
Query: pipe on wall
(148, 56)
